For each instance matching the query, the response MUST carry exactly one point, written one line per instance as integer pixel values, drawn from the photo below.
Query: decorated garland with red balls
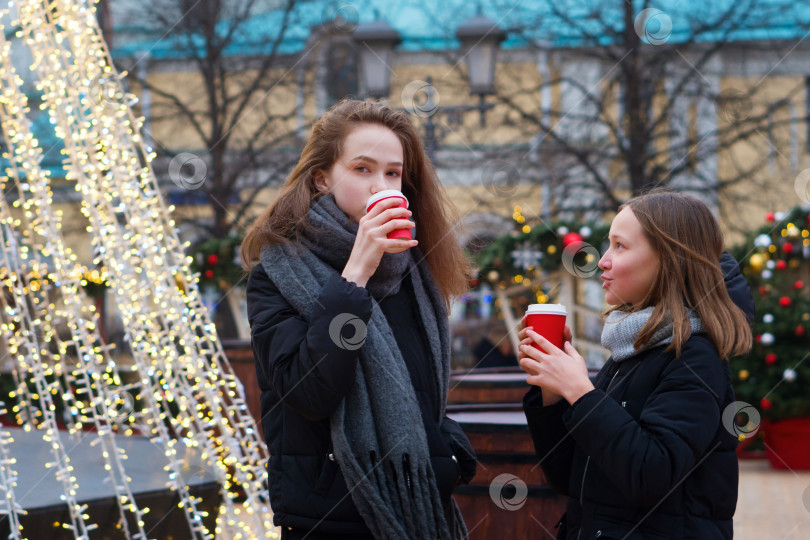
(532, 249)
(216, 261)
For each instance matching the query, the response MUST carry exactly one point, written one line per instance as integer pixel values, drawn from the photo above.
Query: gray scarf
(621, 330)
(384, 460)
(332, 240)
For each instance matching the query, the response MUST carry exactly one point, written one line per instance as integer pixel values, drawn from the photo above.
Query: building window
(794, 138)
(692, 138)
(807, 111)
(341, 72)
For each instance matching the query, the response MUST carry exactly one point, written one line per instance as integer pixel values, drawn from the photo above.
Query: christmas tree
(773, 377)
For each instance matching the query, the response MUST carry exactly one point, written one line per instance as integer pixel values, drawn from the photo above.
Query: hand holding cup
(372, 240)
(546, 354)
(402, 233)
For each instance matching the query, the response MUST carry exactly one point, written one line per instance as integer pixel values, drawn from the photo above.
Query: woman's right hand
(372, 241)
(526, 340)
(549, 398)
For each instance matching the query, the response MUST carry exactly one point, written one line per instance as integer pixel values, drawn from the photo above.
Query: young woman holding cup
(349, 330)
(648, 449)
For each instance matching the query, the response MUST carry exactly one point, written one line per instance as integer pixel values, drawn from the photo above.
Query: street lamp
(480, 38)
(377, 40)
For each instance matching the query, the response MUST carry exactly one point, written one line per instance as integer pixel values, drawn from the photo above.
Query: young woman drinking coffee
(350, 335)
(644, 451)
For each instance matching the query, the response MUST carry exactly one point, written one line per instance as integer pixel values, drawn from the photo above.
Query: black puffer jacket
(645, 455)
(304, 375)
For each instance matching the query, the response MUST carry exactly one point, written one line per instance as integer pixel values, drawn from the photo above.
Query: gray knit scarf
(621, 330)
(384, 460)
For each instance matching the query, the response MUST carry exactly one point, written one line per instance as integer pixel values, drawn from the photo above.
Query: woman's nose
(604, 262)
(379, 183)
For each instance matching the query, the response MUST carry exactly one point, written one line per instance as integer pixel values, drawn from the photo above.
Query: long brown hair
(689, 243)
(433, 212)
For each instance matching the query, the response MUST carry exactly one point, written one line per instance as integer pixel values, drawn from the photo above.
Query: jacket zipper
(588, 462)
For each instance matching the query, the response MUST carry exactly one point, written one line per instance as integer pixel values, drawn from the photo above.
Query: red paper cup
(404, 234)
(548, 320)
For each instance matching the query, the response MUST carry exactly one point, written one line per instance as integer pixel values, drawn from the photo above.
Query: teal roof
(431, 26)
(552, 23)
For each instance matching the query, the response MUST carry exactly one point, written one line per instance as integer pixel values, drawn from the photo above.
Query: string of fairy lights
(23, 329)
(8, 479)
(191, 398)
(45, 238)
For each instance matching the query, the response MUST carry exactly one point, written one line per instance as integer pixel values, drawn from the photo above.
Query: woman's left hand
(560, 371)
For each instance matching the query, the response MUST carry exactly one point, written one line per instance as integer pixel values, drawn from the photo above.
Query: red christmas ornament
(799, 331)
(770, 359)
(213, 259)
(763, 291)
(769, 217)
(781, 265)
(784, 301)
(758, 338)
(571, 238)
(765, 403)
(209, 273)
(787, 248)
(798, 284)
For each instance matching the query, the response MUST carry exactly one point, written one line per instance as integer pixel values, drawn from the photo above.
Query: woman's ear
(319, 179)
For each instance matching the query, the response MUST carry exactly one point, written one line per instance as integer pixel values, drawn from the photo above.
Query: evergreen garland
(216, 261)
(529, 252)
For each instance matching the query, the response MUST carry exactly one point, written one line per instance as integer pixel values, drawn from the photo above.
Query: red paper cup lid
(546, 309)
(384, 194)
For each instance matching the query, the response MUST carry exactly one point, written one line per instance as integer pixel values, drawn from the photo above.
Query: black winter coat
(304, 375)
(645, 455)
